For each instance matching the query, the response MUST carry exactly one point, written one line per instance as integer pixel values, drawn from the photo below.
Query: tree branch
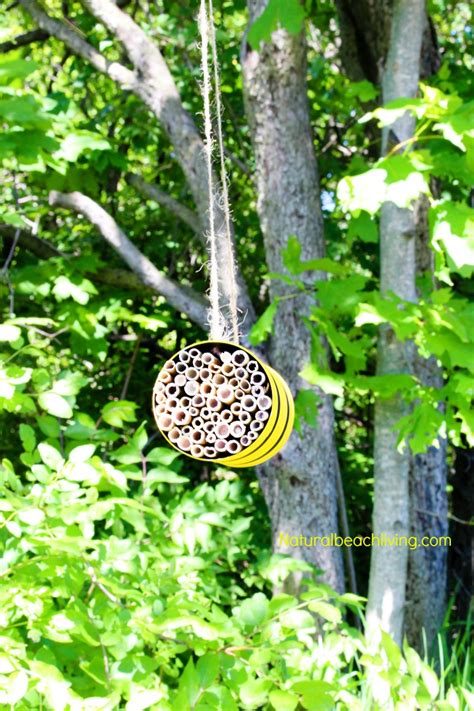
(23, 40)
(116, 71)
(153, 192)
(184, 300)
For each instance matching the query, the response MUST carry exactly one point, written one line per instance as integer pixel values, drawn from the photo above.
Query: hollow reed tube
(184, 357)
(220, 445)
(205, 374)
(172, 390)
(198, 401)
(245, 417)
(197, 436)
(165, 422)
(225, 394)
(227, 416)
(180, 380)
(236, 408)
(181, 367)
(219, 379)
(245, 441)
(209, 452)
(211, 438)
(237, 429)
(252, 366)
(264, 402)
(181, 417)
(249, 403)
(256, 426)
(222, 430)
(184, 443)
(257, 378)
(191, 373)
(214, 404)
(226, 357)
(191, 388)
(184, 402)
(197, 450)
(240, 357)
(262, 415)
(174, 435)
(233, 447)
(207, 389)
(194, 353)
(228, 370)
(171, 404)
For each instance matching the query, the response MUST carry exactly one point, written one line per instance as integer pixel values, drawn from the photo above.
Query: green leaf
(76, 143)
(82, 453)
(254, 611)
(119, 412)
(452, 230)
(28, 438)
(315, 695)
(55, 405)
(16, 69)
(207, 669)
(364, 227)
(50, 456)
(254, 692)
(161, 475)
(79, 290)
(264, 326)
(328, 382)
(9, 332)
(162, 455)
(283, 700)
(287, 14)
(324, 609)
(306, 408)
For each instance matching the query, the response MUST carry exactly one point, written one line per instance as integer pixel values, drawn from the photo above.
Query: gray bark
(388, 571)
(299, 484)
(427, 567)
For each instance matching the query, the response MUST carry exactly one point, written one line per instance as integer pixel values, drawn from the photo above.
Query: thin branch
(133, 359)
(184, 300)
(23, 40)
(153, 192)
(116, 71)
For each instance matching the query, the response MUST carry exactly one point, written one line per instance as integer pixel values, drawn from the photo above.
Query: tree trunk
(300, 483)
(388, 572)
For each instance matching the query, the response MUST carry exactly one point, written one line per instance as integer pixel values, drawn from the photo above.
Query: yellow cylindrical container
(252, 392)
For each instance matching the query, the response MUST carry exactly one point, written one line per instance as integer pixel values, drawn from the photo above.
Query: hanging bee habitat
(217, 402)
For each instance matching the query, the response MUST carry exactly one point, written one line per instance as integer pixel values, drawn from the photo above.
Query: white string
(225, 193)
(216, 321)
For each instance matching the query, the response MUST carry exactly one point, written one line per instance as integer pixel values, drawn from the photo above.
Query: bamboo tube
(208, 427)
(181, 367)
(220, 445)
(252, 436)
(165, 422)
(225, 394)
(161, 409)
(214, 404)
(170, 366)
(228, 370)
(191, 388)
(184, 443)
(197, 436)
(237, 429)
(256, 426)
(244, 385)
(236, 408)
(257, 378)
(193, 411)
(262, 416)
(198, 423)
(194, 353)
(222, 430)
(181, 417)
(240, 358)
(219, 379)
(241, 373)
(233, 447)
(197, 450)
(174, 435)
(257, 390)
(191, 373)
(249, 403)
(209, 452)
(239, 394)
(165, 377)
(226, 357)
(226, 416)
(234, 383)
(206, 413)
(172, 390)
(214, 367)
(245, 441)
(186, 430)
(205, 374)
(264, 402)
(208, 359)
(211, 438)
(197, 363)
(184, 356)
(184, 402)
(245, 417)
(252, 366)
(207, 389)
(215, 417)
(160, 387)
(180, 380)
(171, 404)
(198, 401)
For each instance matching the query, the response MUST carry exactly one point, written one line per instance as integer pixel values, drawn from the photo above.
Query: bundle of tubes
(212, 404)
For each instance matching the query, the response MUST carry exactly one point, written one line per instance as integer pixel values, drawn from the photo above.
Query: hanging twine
(217, 322)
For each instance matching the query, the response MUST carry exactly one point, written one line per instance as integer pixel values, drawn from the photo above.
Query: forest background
(132, 577)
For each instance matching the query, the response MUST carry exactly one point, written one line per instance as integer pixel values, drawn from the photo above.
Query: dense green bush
(124, 585)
